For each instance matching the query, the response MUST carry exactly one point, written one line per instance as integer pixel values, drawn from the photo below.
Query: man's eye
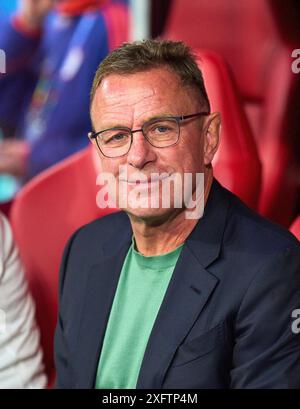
(118, 137)
(160, 128)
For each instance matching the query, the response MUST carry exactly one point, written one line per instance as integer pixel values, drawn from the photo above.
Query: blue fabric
(17, 85)
(7, 6)
(66, 116)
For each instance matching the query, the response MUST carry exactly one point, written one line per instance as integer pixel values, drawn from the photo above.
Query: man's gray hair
(139, 56)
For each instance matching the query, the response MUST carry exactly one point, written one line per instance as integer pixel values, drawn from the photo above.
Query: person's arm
(64, 373)
(20, 353)
(267, 351)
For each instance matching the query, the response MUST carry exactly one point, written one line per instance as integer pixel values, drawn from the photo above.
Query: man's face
(130, 101)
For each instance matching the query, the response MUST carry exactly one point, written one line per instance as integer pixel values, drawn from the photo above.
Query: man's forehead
(116, 88)
(151, 81)
(155, 92)
(122, 99)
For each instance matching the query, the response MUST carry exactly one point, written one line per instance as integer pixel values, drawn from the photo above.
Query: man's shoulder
(105, 227)
(86, 244)
(253, 246)
(106, 224)
(248, 229)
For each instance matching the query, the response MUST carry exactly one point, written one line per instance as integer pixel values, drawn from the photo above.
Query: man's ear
(92, 140)
(97, 163)
(211, 137)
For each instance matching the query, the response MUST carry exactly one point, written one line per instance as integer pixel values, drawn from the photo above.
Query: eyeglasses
(159, 132)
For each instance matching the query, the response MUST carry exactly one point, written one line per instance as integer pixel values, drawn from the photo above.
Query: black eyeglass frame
(178, 119)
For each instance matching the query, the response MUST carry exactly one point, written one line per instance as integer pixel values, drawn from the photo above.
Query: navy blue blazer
(225, 320)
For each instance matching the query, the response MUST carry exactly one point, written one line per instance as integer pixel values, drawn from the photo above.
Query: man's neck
(158, 238)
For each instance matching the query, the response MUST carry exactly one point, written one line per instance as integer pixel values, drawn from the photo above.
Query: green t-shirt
(142, 285)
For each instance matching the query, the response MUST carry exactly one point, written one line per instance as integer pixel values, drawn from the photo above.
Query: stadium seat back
(295, 227)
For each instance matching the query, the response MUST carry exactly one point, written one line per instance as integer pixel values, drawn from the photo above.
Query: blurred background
(8, 6)
(249, 53)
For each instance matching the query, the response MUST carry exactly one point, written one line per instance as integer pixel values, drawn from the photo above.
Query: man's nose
(140, 151)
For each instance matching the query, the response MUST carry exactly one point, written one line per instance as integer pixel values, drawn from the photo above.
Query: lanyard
(53, 76)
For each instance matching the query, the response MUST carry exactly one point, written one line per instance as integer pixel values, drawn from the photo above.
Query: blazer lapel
(101, 287)
(189, 290)
(187, 294)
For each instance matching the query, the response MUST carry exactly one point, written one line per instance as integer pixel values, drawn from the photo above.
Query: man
(152, 296)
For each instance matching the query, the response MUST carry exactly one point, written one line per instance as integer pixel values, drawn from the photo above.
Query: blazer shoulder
(104, 228)
(85, 246)
(258, 232)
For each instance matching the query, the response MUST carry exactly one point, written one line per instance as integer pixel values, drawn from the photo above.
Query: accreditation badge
(72, 64)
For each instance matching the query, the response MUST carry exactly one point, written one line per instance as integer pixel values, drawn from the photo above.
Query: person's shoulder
(104, 228)
(253, 246)
(249, 229)
(86, 245)
(109, 222)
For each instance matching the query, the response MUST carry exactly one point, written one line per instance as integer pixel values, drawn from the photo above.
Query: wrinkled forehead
(114, 90)
(160, 85)
(160, 77)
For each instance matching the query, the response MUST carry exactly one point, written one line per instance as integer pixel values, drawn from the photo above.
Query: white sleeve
(20, 353)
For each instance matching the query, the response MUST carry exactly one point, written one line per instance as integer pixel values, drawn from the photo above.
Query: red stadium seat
(236, 164)
(44, 215)
(249, 37)
(295, 227)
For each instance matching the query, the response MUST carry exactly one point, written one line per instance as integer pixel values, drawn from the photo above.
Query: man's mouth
(146, 180)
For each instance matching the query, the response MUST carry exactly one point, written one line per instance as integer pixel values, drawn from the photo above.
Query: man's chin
(153, 216)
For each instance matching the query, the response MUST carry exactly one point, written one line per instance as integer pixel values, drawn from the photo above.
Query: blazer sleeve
(64, 377)
(267, 349)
